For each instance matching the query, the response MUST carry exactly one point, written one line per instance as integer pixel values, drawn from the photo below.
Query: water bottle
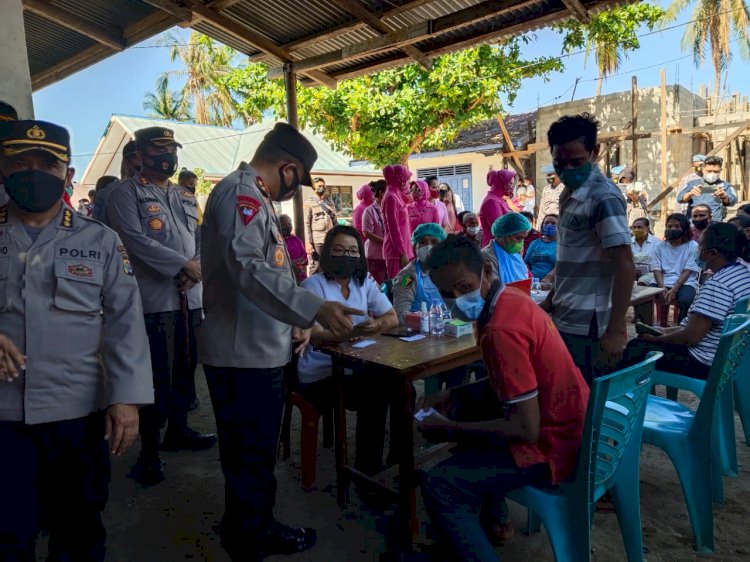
(536, 290)
(436, 319)
(424, 319)
(447, 316)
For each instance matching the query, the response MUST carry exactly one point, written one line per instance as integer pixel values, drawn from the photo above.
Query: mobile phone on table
(641, 328)
(399, 332)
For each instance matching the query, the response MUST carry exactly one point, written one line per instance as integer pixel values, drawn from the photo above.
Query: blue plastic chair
(691, 438)
(609, 459)
(737, 393)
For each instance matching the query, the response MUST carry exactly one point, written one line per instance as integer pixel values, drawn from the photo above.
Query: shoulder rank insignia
(67, 218)
(126, 266)
(406, 281)
(3, 215)
(187, 193)
(247, 207)
(143, 181)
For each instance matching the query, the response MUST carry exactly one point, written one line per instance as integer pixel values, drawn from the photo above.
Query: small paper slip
(413, 338)
(422, 414)
(364, 343)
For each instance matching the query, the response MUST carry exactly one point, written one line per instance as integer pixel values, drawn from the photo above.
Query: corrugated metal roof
(291, 21)
(219, 150)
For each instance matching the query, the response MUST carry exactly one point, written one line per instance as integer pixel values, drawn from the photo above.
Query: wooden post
(509, 145)
(663, 121)
(290, 83)
(743, 190)
(634, 120)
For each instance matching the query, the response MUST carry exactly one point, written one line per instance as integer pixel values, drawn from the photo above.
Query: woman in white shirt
(344, 278)
(643, 246)
(673, 264)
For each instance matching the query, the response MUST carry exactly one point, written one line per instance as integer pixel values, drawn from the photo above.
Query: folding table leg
(342, 456)
(407, 491)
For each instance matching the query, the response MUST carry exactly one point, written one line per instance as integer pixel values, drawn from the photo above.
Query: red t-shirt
(526, 357)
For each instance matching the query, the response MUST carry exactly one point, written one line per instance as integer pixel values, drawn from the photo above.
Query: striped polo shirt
(593, 218)
(716, 300)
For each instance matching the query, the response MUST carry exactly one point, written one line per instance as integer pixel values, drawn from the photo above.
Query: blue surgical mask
(575, 178)
(470, 305)
(549, 230)
(697, 255)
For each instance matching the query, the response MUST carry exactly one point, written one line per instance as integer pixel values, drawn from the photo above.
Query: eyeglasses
(339, 252)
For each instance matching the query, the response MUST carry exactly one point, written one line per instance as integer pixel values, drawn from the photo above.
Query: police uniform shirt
(158, 227)
(100, 203)
(251, 295)
(70, 303)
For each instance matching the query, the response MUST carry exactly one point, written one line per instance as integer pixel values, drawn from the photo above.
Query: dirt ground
(173, 521)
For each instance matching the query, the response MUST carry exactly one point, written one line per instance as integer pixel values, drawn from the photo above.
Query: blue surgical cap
(428, 229)
(548, 169)
(699, 157)
(510, 224)
(616, 170)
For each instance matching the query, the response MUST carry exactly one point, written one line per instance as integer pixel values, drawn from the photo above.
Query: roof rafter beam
(361, 13)
(340, 29)
(578, 9)
(413, 34)
(189, 10)
(110, 36)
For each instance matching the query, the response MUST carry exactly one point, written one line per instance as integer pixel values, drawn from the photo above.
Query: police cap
(160, 136)
(129, 149)
(285, 138)
(23, 136)
(7, 112)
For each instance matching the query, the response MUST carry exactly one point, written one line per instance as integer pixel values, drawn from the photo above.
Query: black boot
(187, 439)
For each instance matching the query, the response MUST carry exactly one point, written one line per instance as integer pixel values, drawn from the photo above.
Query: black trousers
(676, 358)
(173, 362)
(54, 476)
(248, 404)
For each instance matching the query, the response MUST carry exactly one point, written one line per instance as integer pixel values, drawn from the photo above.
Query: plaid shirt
(593, 218)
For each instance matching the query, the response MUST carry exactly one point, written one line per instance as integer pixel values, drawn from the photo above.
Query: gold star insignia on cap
(36, 133)
(167, 133)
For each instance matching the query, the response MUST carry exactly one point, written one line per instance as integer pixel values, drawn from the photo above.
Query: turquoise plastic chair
(691, 438)
(737, 393)
(608, 460)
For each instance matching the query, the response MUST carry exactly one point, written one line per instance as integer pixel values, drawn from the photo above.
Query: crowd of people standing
(149, 285)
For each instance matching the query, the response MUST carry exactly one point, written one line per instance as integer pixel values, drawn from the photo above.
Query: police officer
(7, 114)
(131, 165)
(320, 217)
(252, 302)
(69, 310)
(157, 221)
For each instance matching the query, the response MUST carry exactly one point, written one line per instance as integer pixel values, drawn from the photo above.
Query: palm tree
(608, 57)
(166, 103)
(206, 64)
(716, 24)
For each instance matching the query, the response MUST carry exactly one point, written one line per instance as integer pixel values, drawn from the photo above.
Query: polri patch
(248, 208)
(80, 270)
(156, 224)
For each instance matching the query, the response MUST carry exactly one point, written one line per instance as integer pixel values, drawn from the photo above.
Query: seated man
(689, 348)
(535, 403)
(471, 228)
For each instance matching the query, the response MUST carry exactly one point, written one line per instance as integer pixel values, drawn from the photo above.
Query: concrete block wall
(614, 113)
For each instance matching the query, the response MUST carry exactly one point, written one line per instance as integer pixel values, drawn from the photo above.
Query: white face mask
(711, 177)
(473, 230)
(423, 252)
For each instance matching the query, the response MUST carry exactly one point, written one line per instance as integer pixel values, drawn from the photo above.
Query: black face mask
(286, 231)
(162, 163)
(34, 191)
(286, 192)
(674, 234)
(343, 266)
(700, 224)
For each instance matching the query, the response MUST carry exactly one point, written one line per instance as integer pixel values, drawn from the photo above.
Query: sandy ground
(173, 521)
